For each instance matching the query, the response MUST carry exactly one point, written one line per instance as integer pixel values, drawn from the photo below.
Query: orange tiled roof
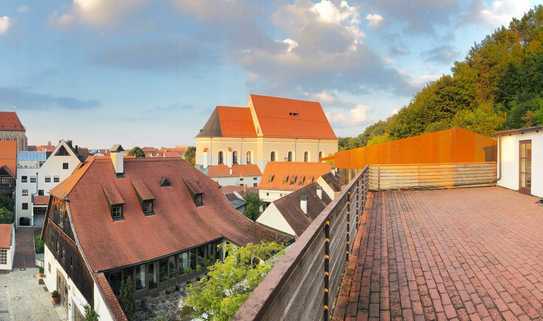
(291, 176)
(41, 199)
(236, 122)
(5, 236)
(237, 171)
(8, 155)
(291, 118)
(9, 121)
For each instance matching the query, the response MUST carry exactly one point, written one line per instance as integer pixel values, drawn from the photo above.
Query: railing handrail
(252, 308)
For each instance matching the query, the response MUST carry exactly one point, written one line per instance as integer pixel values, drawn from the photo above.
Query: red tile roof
(236, 121)
(291, 176)
(291, 118)
(9, 121)
(8, 155)
(5, 236)
(222, 170)
(176, 225)
(40, 199)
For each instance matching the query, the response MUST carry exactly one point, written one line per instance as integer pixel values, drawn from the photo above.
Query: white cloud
(374, 20)
(342, 15)
(355, 117)
(500, 12)
(292, 44)
(97, 12)
(5, 24)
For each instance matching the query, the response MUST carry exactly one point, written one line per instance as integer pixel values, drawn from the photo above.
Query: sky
(149, 72)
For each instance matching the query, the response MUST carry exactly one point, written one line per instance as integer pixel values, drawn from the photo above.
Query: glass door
(525, 166)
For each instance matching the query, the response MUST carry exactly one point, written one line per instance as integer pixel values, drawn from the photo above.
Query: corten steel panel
(456, 145)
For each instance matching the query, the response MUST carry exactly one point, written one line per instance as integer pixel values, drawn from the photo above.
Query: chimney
(117, 158)
(303, 203)
(319, 192)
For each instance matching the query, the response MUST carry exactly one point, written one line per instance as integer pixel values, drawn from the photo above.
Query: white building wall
(273, 218)
(100, 306)
(10, 254)
(270, 195)
(509, 158)
(247, 181)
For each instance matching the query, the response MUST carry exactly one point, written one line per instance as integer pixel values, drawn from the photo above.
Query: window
(65, 166)
(40, 192)
(198, 199)
(320, 156)
(147, 207)
(25, 192)
(24, 179)
(289, 156)
(47, 179)
(163, 270)
(248, 158)
(220, 158)
(24, 206)
(33, 179)
(56, 179)
(117, 212)
(152, 275)
(172, 268)
(183, 263)
(3, 256)
(306, 156)
(255, 184)
(140, 277)
(234, 157)
(272, 156)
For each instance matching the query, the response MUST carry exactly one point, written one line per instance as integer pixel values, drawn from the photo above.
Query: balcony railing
(304, 282)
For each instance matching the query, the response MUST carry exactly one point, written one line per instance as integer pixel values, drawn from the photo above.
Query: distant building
(156, 222)
(37, 174)
(8, 167)
(7, 246)
(293, 213)
(247, 175)
(282, 178)
(269, 129)
(177, 151)
(11, 128)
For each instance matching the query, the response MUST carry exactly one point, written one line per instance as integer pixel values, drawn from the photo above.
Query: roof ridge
(87, 164)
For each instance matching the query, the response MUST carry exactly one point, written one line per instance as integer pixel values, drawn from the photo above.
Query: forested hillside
(499, 85)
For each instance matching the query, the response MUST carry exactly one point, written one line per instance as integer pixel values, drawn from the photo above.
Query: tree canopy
(499, 85)
(136, 152)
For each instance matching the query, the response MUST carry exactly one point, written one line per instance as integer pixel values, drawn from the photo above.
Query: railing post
(326, 299)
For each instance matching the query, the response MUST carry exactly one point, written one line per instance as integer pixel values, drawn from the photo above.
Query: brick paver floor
(24, 248)
(462, 254)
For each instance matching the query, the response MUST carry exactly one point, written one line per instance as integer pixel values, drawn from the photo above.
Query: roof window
(164, 181)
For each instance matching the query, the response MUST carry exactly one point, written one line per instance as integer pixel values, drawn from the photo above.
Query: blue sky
(148, 72)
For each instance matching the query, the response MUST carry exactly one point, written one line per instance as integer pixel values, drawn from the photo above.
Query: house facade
(282, 178)
(11, 129)
(247, 175)
(8, 167)
(7, 247)
(37, 174)
(153, 222)
(269, 129)
(520, 160)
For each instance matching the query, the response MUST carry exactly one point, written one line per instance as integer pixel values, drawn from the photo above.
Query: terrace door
(525, 166)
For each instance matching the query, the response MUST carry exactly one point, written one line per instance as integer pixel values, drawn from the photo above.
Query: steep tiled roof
(177, 223)
(290, 176)
(291, 118)
(8, 155)
(332, 181)
(5, 236)
(9, 121)
(237, 170)
(229, 122)
(40, 199)
(289, 206)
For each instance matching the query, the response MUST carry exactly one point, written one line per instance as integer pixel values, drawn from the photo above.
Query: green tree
(136, 152)
(190, 155)
(6, 216)
(252, 206)
(379, 139)
(483, 120)
(219, 294)
(90, 314)
(127, 299)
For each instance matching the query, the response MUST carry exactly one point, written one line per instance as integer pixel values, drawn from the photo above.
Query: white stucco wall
(269, 195)
(509, 159)
(247, 181)
(273, 218)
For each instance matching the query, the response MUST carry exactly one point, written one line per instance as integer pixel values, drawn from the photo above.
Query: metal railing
(304, 283)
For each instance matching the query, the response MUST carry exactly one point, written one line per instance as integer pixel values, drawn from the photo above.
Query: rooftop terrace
(460, 254)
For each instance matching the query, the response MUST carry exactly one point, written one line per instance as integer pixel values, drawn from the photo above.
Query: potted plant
(56, 297)
(40, 273)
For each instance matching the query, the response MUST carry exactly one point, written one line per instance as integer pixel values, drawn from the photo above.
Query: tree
(483, 120)
(6, 216)
(136, 152)
(127, 299)
(252, 206)
(378, 139)
(90, 314)
(219, 294)
(190, 155)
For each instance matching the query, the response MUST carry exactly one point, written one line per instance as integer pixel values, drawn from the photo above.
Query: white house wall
(270, 195)
(509, 158)
(273, 218)
(247, 181)
(10, 254)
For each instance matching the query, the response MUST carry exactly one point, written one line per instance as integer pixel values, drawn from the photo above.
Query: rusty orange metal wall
(456, 145)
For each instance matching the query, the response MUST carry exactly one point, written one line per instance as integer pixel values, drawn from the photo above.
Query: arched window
(320, 156)
(248, 157)
(234, 157)
(272, 156)
(289, 156)
(220, 158)
(306, 156)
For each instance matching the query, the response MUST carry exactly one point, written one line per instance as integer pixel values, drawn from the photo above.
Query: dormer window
(164, 181)
(117, 212)
(198, 199)
(148, 207)
(196, 192)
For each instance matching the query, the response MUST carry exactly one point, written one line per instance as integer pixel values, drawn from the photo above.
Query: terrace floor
(461, 254)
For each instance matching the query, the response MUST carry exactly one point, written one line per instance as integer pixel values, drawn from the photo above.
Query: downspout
(499, 159)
